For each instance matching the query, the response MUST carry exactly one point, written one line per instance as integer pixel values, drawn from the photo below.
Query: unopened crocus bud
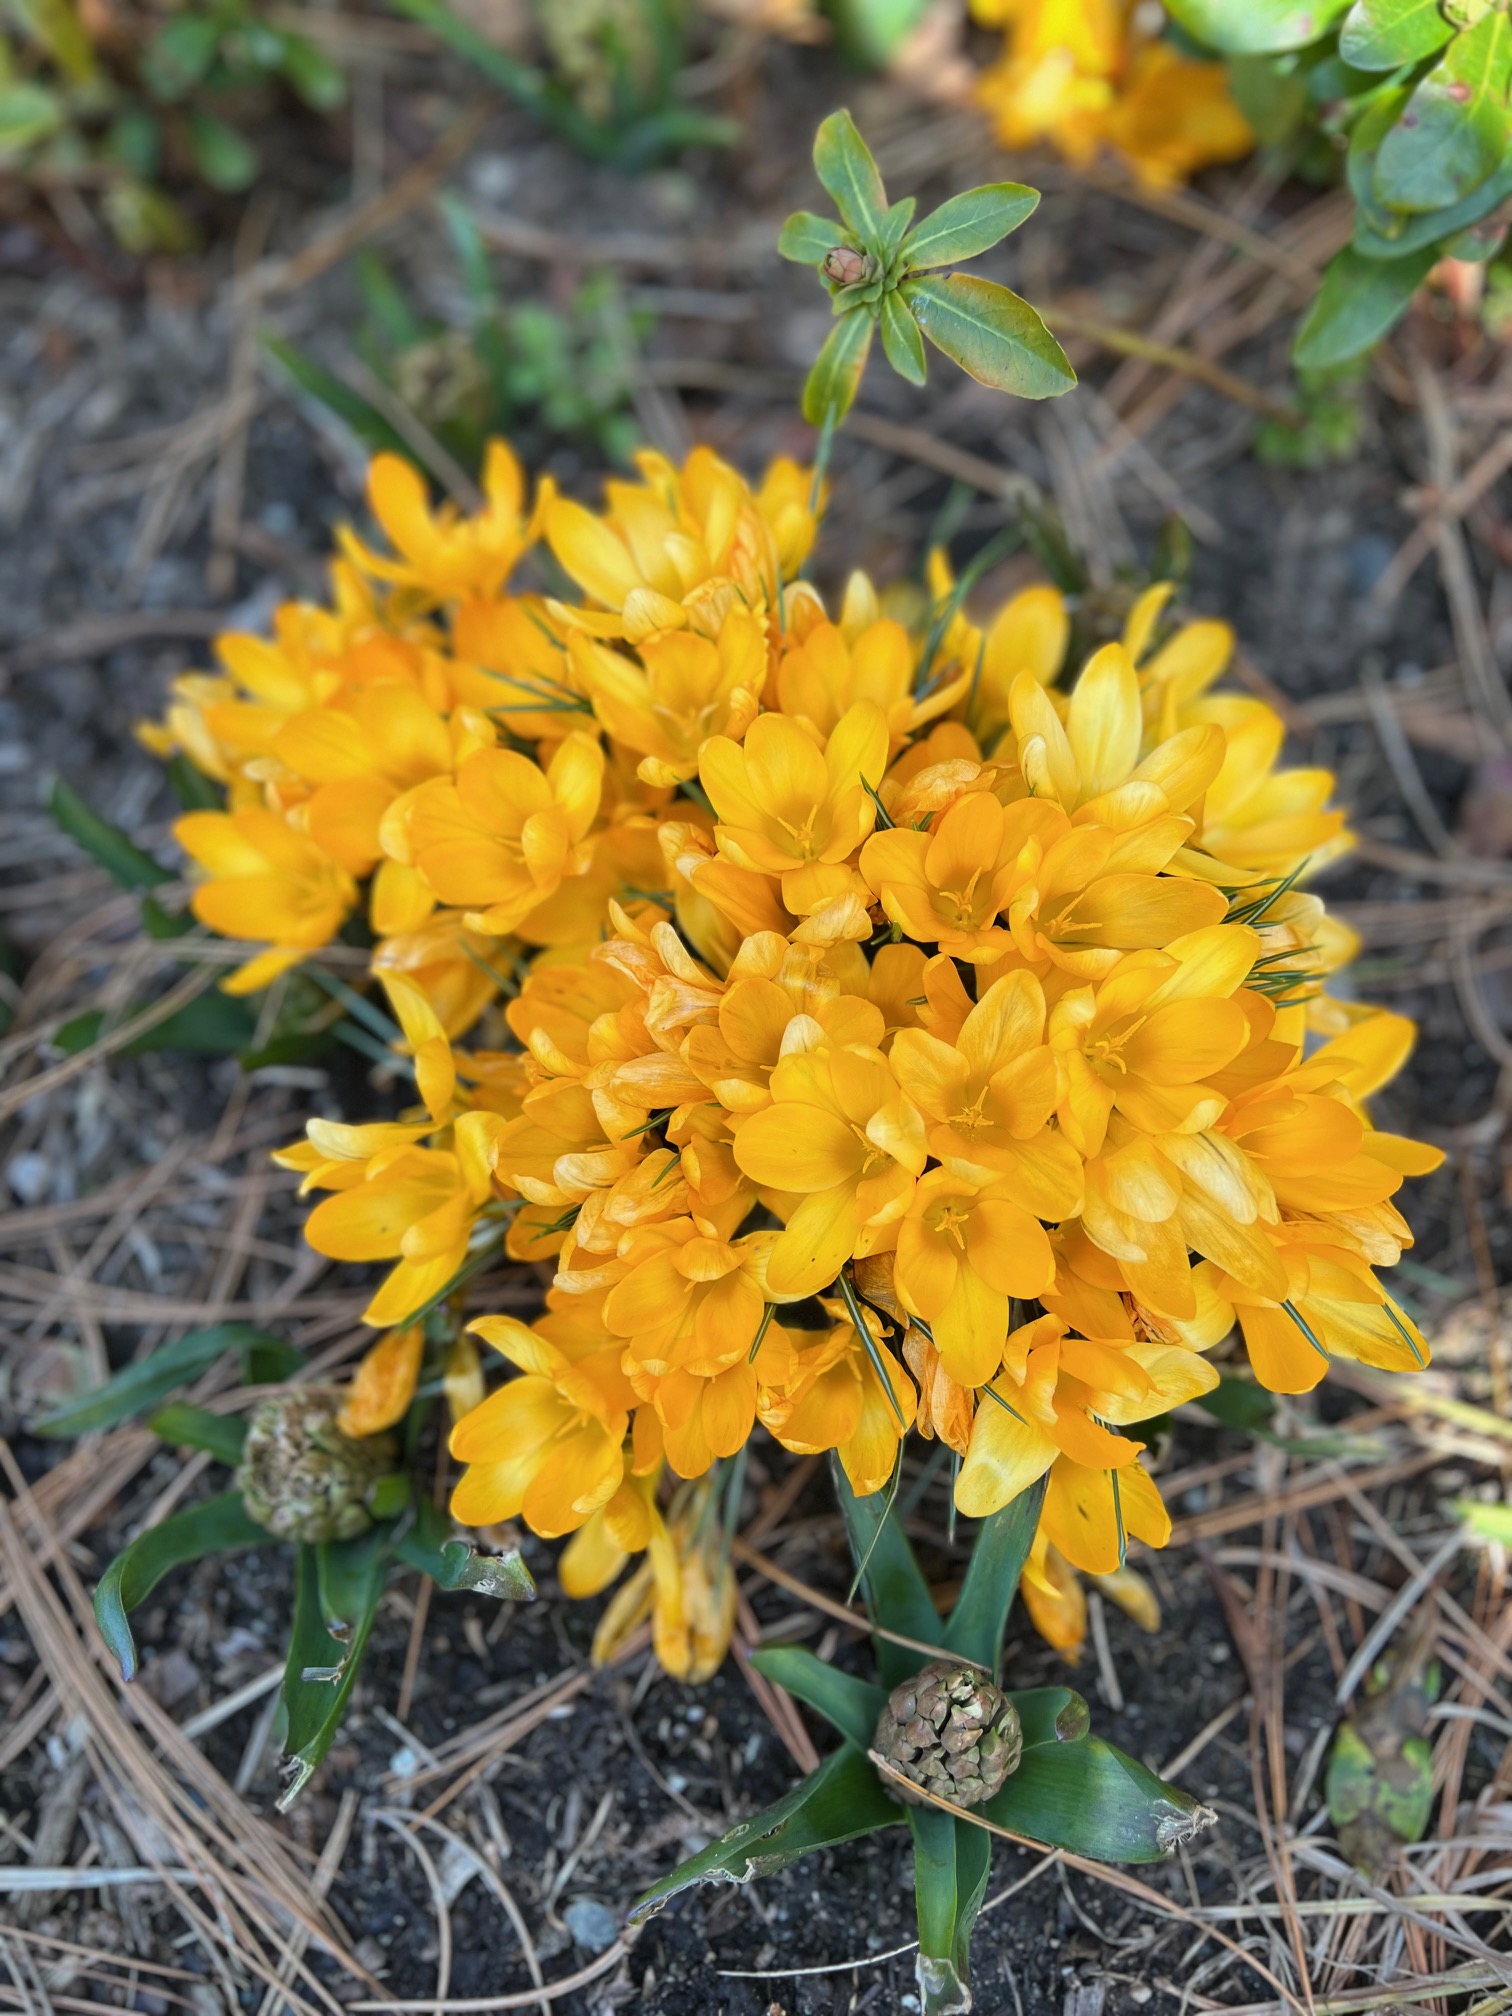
(846, 267)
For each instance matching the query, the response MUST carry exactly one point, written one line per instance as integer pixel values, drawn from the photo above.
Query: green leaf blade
(808, 239)
(968, 225)
(219, 1525)
(1090, 1798)
(337, 1584)
(844, 164)
(994, 335)
(1256, 27)
(901, 341)
(897, 1596)
(998, 1554)
(832, 384)
(851, 1705)
(1453, 133)
(121, 858)
(841, 1800)
(218, 1435)
(138, 1388)
(1384, 34)
(1358, 302)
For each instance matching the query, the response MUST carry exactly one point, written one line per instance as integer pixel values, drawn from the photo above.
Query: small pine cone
(301, 1477)
(951, 1731)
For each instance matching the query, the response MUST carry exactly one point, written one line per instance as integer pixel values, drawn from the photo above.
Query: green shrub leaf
(808, 239)
(319, 81)
(1453, 132)
(1383, 34)
(832, 384)
(994, 335)
(968, 225)
(844, 164)
(224, 159)
(28, 114)
(217, 1526)
(180, 54)
(841, 1800)
(901, 340)
(1256, 27)
(1357, 303)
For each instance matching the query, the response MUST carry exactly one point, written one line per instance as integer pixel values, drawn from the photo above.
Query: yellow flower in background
(685, 689)
(384, 1383)
(546, 1447)
(499, 840)
(1085, 74)
(440, 554)
(267, 881)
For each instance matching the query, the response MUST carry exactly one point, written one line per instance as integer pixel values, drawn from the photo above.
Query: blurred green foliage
(519, 370)
(126, 106)
(1414, 94)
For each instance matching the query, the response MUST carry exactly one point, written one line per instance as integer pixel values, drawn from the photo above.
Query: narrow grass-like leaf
(968, 225)
(218, 1526)
(952, 1860)
(121, 858)
(998, 1555)
(842, 1799)
(370, 427)
(991, 332)
(340, 1585)
(844, 164)
(186, 1427)
(852, 1705)
(138, 1388)
(897, 1596)
(211, 1025)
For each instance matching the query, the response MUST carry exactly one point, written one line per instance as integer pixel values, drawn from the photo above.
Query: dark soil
(87, 361)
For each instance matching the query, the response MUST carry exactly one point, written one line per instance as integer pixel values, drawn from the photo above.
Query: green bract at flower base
(881, 272)
(1420, 89)
(338, 1582)
(1068, 1789)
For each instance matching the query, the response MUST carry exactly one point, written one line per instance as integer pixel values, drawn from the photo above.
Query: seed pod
(300, 1477)
(952, 1731)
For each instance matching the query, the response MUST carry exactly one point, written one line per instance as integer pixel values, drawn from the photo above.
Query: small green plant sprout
(1416, 93)
(344, 1502)
(882, 269)
(940, 1746)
